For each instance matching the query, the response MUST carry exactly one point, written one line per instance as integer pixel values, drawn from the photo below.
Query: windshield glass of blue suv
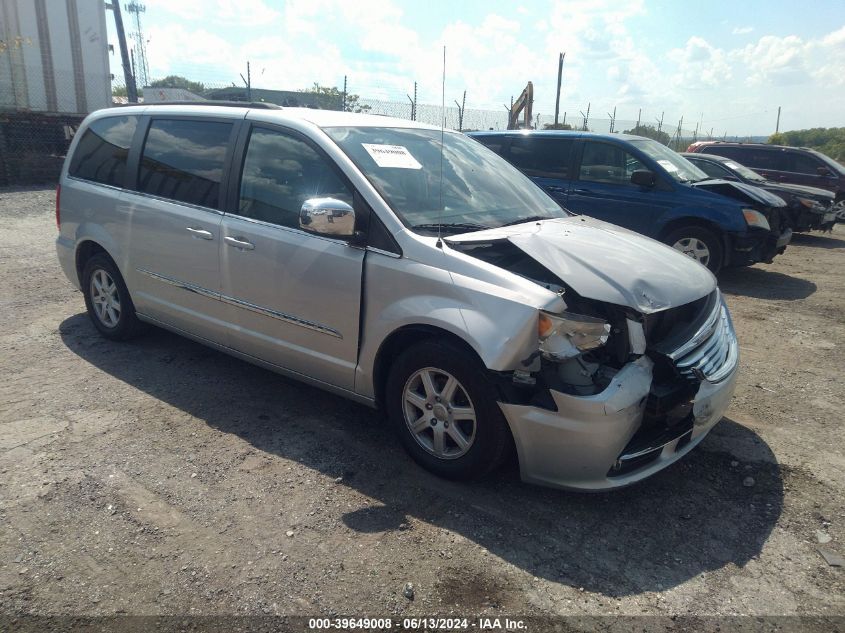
(479, 189)
(675, 165)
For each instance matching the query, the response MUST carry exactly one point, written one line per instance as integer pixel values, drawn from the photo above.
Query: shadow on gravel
(694, 517)
(816, 240)
(764, 284)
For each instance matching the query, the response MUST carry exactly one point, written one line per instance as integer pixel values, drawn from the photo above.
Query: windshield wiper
(451, 226)
(531, 218)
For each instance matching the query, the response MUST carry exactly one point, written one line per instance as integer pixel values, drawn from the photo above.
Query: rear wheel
(107, 299)
(699, 244)
(446, 411)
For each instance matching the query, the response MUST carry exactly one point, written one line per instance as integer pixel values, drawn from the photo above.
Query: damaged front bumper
(601, 442)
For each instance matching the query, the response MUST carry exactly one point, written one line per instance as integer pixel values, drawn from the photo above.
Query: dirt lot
(160, 477)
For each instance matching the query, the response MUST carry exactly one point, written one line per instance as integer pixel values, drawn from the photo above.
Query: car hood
(740, 191)
(605, 262)
(814, 193)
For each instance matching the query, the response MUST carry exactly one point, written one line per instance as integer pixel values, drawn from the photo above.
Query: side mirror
(643, 178)
(327, 216)
(823, 171)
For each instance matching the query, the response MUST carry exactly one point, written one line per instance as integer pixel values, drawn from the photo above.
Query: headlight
(755, 218)
(566, 335)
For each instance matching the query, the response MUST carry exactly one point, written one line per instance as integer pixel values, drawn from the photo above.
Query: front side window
(281, 172)
(603, 162)
(461, 186)
(102, 151)
(804, 164)
(542, 157)
(183, 160)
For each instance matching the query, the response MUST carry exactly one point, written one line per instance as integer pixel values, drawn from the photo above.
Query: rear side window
(753, 157)
(281, 172)
(103, 149)
(803, 163)
(183, 160)
(542, 157)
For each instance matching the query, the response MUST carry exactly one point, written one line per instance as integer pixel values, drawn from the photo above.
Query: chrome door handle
(200, 233)
(582, 191)
(239, 242)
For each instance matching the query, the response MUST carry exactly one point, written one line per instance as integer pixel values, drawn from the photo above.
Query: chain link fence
(35, 131)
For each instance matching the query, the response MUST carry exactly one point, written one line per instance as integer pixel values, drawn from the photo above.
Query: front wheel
(446, 410)
(699, 244)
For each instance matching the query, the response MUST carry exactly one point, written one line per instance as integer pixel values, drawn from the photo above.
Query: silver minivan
(405, 268)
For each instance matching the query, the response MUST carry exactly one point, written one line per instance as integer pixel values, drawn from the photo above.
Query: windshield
(743, 171)
(675, 165)
(480, 190)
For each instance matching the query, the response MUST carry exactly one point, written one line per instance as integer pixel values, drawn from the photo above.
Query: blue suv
(642, 185)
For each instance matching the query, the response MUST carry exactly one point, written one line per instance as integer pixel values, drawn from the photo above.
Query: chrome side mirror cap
(327, 216)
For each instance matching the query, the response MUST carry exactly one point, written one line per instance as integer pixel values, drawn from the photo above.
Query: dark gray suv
(791, 165)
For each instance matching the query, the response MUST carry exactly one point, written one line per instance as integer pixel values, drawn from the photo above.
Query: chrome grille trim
(712, 353)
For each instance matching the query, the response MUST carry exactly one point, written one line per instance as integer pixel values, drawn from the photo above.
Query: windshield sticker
(667, 165)
(395, 156)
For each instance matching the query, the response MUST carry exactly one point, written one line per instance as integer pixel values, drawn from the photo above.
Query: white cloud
(742, 30)
(700, 64)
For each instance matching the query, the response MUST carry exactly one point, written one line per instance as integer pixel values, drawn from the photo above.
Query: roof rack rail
(255, 105)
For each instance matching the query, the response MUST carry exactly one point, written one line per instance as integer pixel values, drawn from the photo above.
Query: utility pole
(612, 119)
(564, 118)
(777, 125)
(128, 75)
(248, 83)
(559, 77)
(639, 116)
(343, 97)
(660, 123)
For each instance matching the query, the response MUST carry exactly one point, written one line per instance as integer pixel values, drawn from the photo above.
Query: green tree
(331, 98)
(118, 91)
(827, 140)
(177, 81)
(649, 131)
(557, 126)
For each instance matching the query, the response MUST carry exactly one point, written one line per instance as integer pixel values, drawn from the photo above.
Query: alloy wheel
(439, 413)
(694, 248)
(105, 298)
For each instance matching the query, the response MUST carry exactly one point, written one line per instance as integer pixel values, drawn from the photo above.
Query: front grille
(712, 352)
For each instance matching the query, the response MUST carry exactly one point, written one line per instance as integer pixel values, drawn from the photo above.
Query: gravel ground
(160, 477)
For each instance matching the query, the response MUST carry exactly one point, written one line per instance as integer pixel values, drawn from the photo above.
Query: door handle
(200, 233)
(582, 191)
(554, 189)
(239, 242)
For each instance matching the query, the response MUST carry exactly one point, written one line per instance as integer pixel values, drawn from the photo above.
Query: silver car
(404, 268)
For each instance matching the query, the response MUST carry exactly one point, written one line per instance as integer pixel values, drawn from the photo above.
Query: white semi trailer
(54, 56)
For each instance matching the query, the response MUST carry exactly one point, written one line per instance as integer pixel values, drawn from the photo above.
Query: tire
(689, 239)
(488, 437)
(111, 309)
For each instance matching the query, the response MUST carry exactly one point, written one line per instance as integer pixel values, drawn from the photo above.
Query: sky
(724, 66)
